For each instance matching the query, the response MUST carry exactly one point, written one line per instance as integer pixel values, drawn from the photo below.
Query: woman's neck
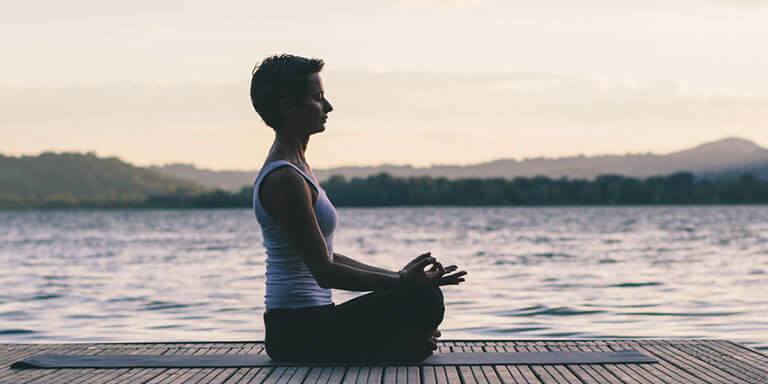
(288, 146)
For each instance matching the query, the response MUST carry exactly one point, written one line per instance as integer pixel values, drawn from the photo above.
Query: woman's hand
(417, 277)
(450, 278)
(415, 261)
(414, 275)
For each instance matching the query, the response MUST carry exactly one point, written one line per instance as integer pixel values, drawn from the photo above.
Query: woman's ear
(286, 107)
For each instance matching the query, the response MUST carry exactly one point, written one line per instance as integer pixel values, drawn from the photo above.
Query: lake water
(571, 272)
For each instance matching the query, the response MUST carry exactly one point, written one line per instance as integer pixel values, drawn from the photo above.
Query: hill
(74, 177)
(722, 158)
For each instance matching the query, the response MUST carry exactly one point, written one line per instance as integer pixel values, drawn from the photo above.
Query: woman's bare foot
(418, 347)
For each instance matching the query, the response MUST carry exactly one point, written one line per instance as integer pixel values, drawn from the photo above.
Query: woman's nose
(328, 106)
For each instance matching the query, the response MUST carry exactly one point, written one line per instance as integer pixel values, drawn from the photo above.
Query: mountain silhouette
(72, 176)
(722, 158)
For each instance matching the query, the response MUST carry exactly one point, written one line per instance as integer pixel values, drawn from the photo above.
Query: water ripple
(138, 275)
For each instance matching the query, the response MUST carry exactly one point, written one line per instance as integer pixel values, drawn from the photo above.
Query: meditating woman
(398, 320)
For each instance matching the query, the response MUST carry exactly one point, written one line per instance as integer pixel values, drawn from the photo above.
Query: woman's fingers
(455, 275)
(421, 264)
(437, 267)
(420, 258)
(416, 260)
(453, 279)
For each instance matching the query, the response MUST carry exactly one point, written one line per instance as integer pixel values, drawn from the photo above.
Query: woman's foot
(415, 347)
(421, 347)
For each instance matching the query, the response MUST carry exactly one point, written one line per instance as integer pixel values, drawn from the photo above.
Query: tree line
(679, 188)
(383, 190)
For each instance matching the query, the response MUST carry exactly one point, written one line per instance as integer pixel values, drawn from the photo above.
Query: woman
(399, 319)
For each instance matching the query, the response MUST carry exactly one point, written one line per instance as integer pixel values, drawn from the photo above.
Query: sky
(412, 81)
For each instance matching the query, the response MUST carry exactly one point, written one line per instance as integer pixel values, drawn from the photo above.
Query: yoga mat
(232, 361)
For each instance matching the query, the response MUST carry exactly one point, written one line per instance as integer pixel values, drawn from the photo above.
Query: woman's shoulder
(283, 178)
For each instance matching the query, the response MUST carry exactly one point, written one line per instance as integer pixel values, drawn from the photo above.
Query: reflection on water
(534, 272)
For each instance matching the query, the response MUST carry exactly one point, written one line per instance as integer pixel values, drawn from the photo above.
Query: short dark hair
(277, 77)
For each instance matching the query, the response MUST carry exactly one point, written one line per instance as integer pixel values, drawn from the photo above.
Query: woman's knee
(429, 296)
(430, 302)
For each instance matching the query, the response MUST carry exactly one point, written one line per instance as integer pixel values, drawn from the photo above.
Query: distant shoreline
(105, 209)
(383, 190)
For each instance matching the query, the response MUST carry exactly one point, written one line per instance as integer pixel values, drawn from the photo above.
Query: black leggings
(371, 327)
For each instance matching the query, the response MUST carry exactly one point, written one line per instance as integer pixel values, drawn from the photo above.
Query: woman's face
(313, 112)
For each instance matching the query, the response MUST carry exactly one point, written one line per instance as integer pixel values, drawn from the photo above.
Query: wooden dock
(679, 361)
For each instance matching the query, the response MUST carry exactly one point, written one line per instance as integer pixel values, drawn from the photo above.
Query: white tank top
(289, 282)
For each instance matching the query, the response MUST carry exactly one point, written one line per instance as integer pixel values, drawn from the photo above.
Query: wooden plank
(242, 375)
(401, 376)
(246, 374)
(351, 376)
(444, 346)
(722, 362)
(147, 374)
(8, 375)
(491, 374)
(670, 364)
(623, 372)
(375, 374)
(276, 374)
(164, 375)
(662, 369)
(757, 355)
(500, 373)
(543, 373)
(298, 376)
(116, 375)
(85, 375)
(262, 375)
(7, 355)
(428, 373)
(362, 375)
(697, 365)
(336, 375)
(609, 371)
(221, 376)
(506, 374)
(680, 361)
(598, 371)
(466, 374)
(253, 374)
(53, 375)
(640, 373)
(440, 375)
(561, 373)
(390, 375)
(749, 359)
(313, 376)
(452, 374)
(195, 375)
(477, 372)
(521, 372)
(414, 375)
(576, 372)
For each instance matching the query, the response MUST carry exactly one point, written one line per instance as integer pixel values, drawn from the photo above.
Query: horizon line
(404, 165)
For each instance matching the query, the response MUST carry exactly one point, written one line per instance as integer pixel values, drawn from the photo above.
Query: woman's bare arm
(338, 258)
(290, 201)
